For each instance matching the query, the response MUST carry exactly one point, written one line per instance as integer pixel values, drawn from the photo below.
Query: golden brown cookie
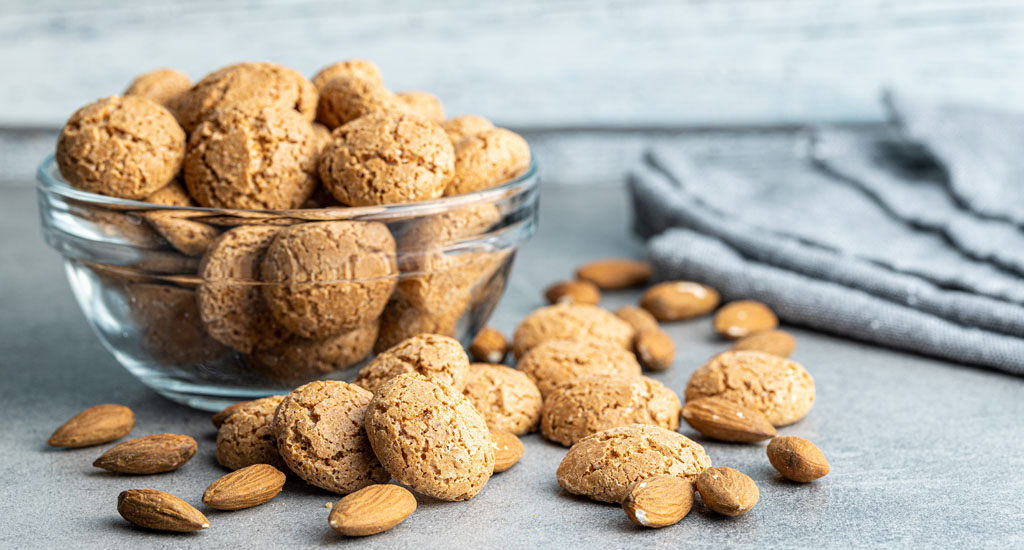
(163, 86)
(127, 147)
(321, 136)
(506, 397)
(555, 362)
(462, 127)
(422, 104)
(387, 158)
(172, 194)
(743, 318)
(350, 67)
(169, 326)
(247, 436)
(775, 342)
(255, 84)
(189, 237)
(298, 360)
(448, 227)
(231, 302)
(439, 358)
(780, 389)
(570, 322)
(488, 159)
(261, 158)
(327, 277)
(603, 466)
(679, 300)
(401, 320)
(345, 98)
(593, 404)
(320, 435)
(430, 437)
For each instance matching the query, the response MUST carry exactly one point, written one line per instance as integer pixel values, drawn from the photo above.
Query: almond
(159, 510)
(615, 273)
(372, 510)
(679, 300)
(93, 426)
(245, 488)
(219, 418)
(573, 292)
(638, 318)
(797, 459)
(490, 346)
(724, 420)
(151, 454)
(654, 349)
(727, 491)
(658, 501)
(508, 449)
(775, 342)
(745, 317)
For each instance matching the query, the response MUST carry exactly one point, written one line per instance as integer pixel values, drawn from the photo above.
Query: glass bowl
(195, 326)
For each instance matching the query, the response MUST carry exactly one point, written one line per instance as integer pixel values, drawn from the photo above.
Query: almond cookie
(439, 358)
(163, 86)
(387, 158)
(345, 98)
(603, 466)
(555, 362)
(506, 397)
(350, 67)
(320, 435)
(401, 320)
(169, 326)
(593, 404)
(230, 299)
(430, 437)
(261, 158)
(255, 84)
(462, 127)
(570, 322)
(247, 436)
(422, 104)
(488, 159)
(189, 237)
(743, 318)
(679, 300)
(780, 389)
(299, 359)
(127, 147)
(326, 277)
(775, 342)
(172, 194)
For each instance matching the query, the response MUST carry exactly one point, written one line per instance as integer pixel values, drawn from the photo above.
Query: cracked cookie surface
(570, 322)
(350, 67)
(247, 436)
(506, 397)
(556, 362)
(298, 359)
(163, 86)
(488, 159)
(345, 98)
(436, 357)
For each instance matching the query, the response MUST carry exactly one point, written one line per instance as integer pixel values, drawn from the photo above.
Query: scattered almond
(158, 510)
(151, 454)
(490, 346)
(638, 318)
(775, 342)
(508, 449)
(724, 420)
(745, 317)
(219, 418)
(245, 488)
(658, 501)
(727, 491)
(797, 459)
(679, 300)
(372, 510)
(93, 426)
(654, 349)
(573, 292)
(615, 273)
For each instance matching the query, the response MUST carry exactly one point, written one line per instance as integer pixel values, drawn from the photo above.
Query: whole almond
(638, 318)
(490, 346)
(508, 449)
(658, 501)
(797, 459)
(727, 491)
(573, 292)
(745, 317)
(724, 420)
(679, 300)
(245, 488)
(159, 510)
(219, 418)
(371, 510)
(654, 349)
(775, 342)
(615, 273)
(151, 454)
(93, 426)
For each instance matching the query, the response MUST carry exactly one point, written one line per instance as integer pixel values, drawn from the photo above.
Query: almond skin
(638, 318)
(743, 318)
(775, 342)
(508, 449)
(151, 454)
(727, 491)
(658, 501)
(219, 418)
(724, 420)
(93, 426)
(159, 510)
(490, 346)
(654, 349)
(245, 488)
(615, 273)
(679, 300)
(372, 510)
(797, 459)
(573, 292)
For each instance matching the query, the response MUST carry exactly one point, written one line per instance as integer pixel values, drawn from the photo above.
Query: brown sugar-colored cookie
(345, 98)
(556, 362)
(401, 320)
(775, 342)
(163, 86)
(422, 104)
(743, 318)
(506, 397)
(350, 67)
(780, 389)
(231, 302)
(387, 158)
(439, 358)
(255, 84)
(127, 147)
(169, 326)
(321, 136)
(570, 322)
(488, 159)
(679, 300)
(172, 194)
(320, 435)
(593, 404)
(261, 158)
(462, 127)
(326, 277)
(298, 360)
(189, 237)
(430, 437)
(603, 466)
(247, 436)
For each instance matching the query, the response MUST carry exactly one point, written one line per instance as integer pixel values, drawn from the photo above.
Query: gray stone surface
(924, 453)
